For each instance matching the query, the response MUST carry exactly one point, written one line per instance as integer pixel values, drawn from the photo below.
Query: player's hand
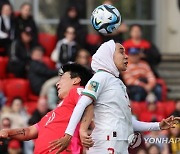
(3, 135)
(60, 144)
(169, 122)
(86, 139)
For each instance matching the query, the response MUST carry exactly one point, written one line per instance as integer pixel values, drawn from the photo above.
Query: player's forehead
(65, 74)
(119, 46)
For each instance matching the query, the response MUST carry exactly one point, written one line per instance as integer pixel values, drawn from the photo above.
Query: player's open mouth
(126, 63)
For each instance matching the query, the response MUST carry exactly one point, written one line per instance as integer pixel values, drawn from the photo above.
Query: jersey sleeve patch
(93, 86)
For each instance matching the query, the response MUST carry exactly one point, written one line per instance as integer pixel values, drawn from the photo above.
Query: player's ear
(77, 80)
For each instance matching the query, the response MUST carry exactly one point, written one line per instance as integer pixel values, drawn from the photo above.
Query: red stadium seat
(48, 41)
(31, 95)
(93, 39)
(170, 107)
(30, 106)
(16, 88)
(138, 108)
(49, 62)
(1, 85)
(3, 67)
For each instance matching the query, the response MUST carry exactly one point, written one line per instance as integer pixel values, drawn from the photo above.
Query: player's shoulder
(76, 90)
(101, 74)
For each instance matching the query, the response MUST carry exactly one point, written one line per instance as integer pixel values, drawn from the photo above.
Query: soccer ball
(105, 19)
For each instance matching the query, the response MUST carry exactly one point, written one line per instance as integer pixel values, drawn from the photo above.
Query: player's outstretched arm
(155, 126)
(22, 134)
(86, 139)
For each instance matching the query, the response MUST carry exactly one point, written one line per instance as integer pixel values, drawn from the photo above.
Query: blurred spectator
(152, 113)
(20, 53)
(139, 78)
(2, 2)
(17, 113)
(174, 145)
(66, 48)
(141, 151)
(176, 112)
(25, 19)
(38, 71)
(2, 99)
(5, 124)
(14, 147)
(148, 51)
(71, 18)
(42, 109)
(83, 57)
(117, 35)
(49, 92)
(154, 149)
(6, 28)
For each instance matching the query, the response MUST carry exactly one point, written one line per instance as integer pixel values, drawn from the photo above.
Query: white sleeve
(145, 126)
(95, 86)
(83, 102)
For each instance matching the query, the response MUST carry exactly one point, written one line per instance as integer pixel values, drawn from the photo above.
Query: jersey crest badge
(93, 86)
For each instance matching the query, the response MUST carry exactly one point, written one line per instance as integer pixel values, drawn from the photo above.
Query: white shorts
(109, 147)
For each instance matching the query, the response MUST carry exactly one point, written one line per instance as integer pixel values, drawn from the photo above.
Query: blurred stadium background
(160, 26)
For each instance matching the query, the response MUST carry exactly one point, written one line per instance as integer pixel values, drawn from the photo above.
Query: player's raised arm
(22, 134)
(155, 126)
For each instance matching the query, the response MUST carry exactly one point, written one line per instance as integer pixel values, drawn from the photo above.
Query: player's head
(110, 57)
(120, 58)
(71, 75)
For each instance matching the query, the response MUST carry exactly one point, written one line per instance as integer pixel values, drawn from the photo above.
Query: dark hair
(23, 4)
(82, 50)
(39, 48)
(77, 70)
(6, 3)
(136, 25)
(17, 98)
(6, 118)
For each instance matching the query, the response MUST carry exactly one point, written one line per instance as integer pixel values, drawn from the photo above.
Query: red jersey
(53, 125)
(144, 45)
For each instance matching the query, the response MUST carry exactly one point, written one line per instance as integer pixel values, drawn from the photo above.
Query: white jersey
(112, 112)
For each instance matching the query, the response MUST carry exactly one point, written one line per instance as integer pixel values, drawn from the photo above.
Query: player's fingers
(52, 145)
(88, 137)
(177, 118)
(54, 141)
(88, 145)
(171, 118)
(55, 147)
(60, 150)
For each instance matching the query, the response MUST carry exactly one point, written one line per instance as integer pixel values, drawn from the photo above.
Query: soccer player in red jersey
(53, 125)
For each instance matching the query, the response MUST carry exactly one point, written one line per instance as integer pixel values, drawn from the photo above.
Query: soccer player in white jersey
(112, 112)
